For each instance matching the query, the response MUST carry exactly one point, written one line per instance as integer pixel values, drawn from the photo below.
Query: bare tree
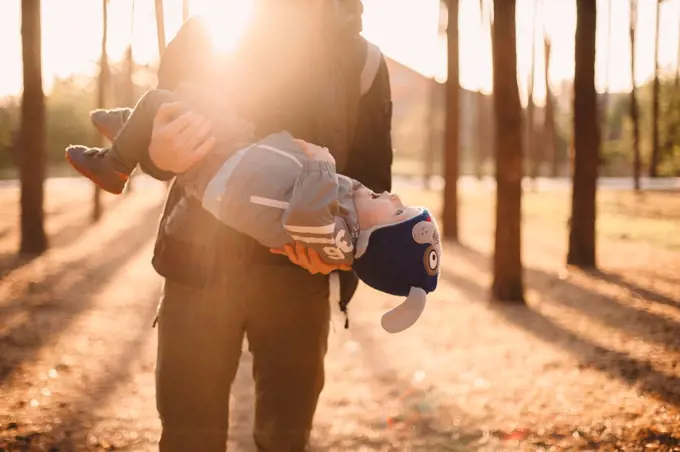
(634, 112)
(101, 95)
(676, 81)
(530, 126)
(430, 126)
(481, 135)
(452, 128)
(32, 134)
(586, 140)
(432, 118)
(654, 157)
(482, 128)
(549, 130)
(674, 132)
(160, 26)
(128, 97)
(489, 123)
(508, 283)
(160, 37)
(604, 110)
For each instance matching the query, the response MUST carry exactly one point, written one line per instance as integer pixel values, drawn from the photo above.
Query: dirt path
(592, 365)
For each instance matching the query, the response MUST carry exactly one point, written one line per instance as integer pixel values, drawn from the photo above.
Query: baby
(278, 190)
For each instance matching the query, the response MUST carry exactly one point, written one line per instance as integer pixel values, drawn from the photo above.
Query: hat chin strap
(407, 313)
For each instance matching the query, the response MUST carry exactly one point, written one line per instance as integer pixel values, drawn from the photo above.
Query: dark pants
(285, 313)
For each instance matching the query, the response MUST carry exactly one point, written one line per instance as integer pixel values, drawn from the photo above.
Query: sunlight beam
(226, 20)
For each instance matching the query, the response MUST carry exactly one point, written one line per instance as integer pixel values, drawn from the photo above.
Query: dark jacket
(364, 124)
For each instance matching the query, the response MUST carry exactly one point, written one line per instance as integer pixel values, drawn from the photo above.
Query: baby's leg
(110, 168)
(134, 138)
(109, 122)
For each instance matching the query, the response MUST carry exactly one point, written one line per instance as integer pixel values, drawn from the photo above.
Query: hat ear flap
(407, 313)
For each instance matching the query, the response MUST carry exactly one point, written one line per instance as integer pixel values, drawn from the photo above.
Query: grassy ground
(590, 364)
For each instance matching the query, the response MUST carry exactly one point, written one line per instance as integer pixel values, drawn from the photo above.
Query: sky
(409, 31)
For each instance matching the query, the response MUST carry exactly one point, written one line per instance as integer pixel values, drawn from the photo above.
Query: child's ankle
(120, 164)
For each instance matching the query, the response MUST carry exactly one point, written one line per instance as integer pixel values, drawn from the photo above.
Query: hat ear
(407, 313)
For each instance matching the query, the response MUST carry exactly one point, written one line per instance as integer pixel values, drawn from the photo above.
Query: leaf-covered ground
(590, 364)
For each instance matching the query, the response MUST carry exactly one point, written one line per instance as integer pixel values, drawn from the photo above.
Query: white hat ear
(407, 313)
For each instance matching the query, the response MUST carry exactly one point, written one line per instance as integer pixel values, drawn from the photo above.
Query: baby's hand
(315, 152)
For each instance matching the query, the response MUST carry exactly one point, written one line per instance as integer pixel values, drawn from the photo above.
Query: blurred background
(414, 40)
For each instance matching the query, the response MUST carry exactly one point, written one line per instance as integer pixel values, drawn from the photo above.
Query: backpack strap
(371, 66)
(359, 68)
(337, 294)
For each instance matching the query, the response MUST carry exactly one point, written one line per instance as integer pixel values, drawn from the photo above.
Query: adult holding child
(300, 66)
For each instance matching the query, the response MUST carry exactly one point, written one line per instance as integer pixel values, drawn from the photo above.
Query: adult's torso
(275, 94)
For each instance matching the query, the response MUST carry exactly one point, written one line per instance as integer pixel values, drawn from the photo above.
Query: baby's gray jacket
(274, 193)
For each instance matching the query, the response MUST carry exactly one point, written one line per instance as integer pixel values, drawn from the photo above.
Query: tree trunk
(160, 26)
(507, 265)
(32, 135)
(129, 85)
(549, 129)
(160, 37)
(531, 148)
(672, 122)
(586, 140)
(101, 96)
(481, 123)
(452, 128)
(676, 80)
(481, 133)
(431, 128)
(489, 119)
(604, 110)
(674, 135)
(634, 113)
(654, 158)
(129, 100)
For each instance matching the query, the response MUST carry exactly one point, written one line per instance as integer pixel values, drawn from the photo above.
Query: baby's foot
(109, 122)
(99, 166)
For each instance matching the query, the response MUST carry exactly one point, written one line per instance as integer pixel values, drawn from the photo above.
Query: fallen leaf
(517, 434)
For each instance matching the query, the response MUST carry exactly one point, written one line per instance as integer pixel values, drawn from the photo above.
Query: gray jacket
(274, 193)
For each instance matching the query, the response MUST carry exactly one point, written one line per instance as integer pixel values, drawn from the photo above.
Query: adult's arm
(187, 58)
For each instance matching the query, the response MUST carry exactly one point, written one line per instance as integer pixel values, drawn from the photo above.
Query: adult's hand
(179, 141)
(308, 259)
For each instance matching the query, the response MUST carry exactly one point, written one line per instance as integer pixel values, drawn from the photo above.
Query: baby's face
(380, 208)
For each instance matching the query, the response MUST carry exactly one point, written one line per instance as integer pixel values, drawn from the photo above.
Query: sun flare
(226, 20)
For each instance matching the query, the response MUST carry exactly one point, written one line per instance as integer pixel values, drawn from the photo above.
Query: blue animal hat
(401, 259)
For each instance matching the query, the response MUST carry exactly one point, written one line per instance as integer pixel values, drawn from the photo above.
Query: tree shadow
(76, 416)
(635, 289)
(616, 364)
(119, 368)
(65, 237)
(47, 318)
(428, 427)
(607, 310)
(69, 233)
(12, 262)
